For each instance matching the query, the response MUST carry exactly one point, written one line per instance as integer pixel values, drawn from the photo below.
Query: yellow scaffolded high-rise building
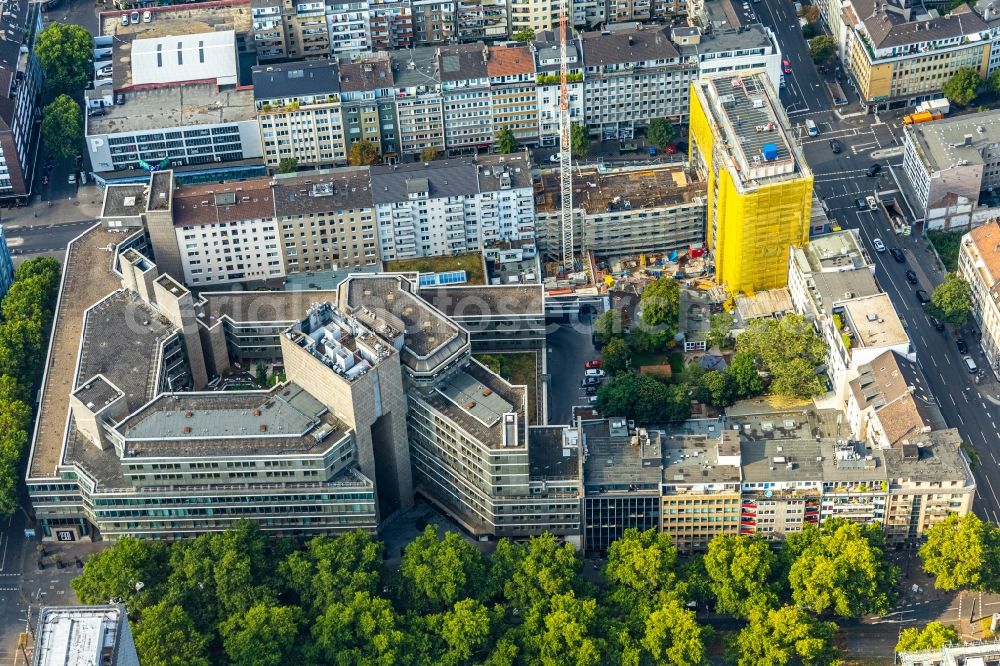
(759, 186)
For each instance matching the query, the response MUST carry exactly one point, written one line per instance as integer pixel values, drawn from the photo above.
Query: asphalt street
(840, 179)
(44, 238)
(569, 347)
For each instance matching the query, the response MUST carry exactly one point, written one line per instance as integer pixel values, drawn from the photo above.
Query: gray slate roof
(612, 48)
(295, 79)
(465, 61)
(445, 178)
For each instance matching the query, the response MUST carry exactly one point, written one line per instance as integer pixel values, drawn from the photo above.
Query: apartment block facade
(21, 82)
(979, 265)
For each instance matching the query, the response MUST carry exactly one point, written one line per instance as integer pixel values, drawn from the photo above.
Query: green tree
(993, 82)
(466, 630)
(62, 127)
(809, 30)
(935, 635)
(642, 561)
(952, 300)
(243, 569)
(841, 568)
(166, 636)
(579, 140)
(789, 349)
(962, 86)
(531, 574)
(822, 49)
(130, 571)
(191, 582)
(782, 636)
(719, 327)
(571, 634)
(429, 154)
(358, 631)
(746, 377)
(615, 357)
(265, 635)
(261, 374)
(65, 52)
(634, 396)
(329, 569)
(609, 326)
(717, 388)
(439, 572)
(677, 408)
(673, 636)
(362, 153)
(506, 141)
(660, 303)
(961, 554)
(288, 165)
(524, 35)
(661, 132)
(955, 4)
(741, 571)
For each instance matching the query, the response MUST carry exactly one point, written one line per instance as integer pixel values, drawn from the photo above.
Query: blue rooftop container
(769, 151)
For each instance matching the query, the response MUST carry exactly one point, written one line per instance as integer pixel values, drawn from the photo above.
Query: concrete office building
(956, 156)
(174, 101)
(326, 220)
(979, 265)
(620, 214)
(84, 636)
(759, 185)
(831, 282)
(902, 53)
(730, 50)
(632, 75)
(454, 206)
(298, 110)
(547, 58)
(367, 102)
(21, 83)
(418, 100)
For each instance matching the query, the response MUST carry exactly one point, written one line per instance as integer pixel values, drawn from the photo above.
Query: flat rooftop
(182, 20)
(874, 321)
(621, 189)
(612, 464)
(553, 452)
(174, 106)
(767, 303)
(87, 277)
(273, 307)
(483, 420)
(838, 251)
(483, 301)
(285, 419)
(124, 201)
(753, 128)
(78, 635)
(121, 340)
(939, 458)
(212, 203)
(850, 461)
(985, 240)
(781, 461)
(97, 391)
(388, 306)
(946, 143)
(829, 288)
(691, 457)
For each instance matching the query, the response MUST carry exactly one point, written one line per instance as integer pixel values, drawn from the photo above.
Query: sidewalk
(84, 205)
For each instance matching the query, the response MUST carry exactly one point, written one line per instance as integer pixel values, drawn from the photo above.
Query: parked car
(911, 277)
(134, 18)
(786, 67)
(860, 204)
(595, 372)
(962, 347)
(671, 149)
(835, 146)
(554, 158)
(879, 245)
(593, 363)
(898, 255)
(874, 170)
(971, 365)
(937, 324)
(923, 297)
(72, 178)
(147, 16)
(124, 19)
(872, 203)
(591, 390)
(590, 381)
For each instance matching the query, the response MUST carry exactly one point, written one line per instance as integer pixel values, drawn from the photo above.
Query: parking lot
(569, 347)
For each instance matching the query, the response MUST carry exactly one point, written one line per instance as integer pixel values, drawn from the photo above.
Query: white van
(970, 364)
(811, 127)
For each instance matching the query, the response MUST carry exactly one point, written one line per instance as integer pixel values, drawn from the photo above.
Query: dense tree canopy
(962, 553)
(438, 572)
(65, 52)
(962, 87)
(661, 132)
(952, 300)
(62, 127)
(506, 141)
(742, 570)
(931, 637)
(784, 636)
(579, 140)
(643, 398)
(789, 349)
(362, 153)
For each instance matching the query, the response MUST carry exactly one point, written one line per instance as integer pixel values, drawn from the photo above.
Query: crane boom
(565, 148)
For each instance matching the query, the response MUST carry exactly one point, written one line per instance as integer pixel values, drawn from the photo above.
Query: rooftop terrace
(174, 106)
(621, 189)
(182, 20)
(873, 321)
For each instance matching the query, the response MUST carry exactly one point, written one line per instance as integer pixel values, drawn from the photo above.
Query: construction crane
(565, 148)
